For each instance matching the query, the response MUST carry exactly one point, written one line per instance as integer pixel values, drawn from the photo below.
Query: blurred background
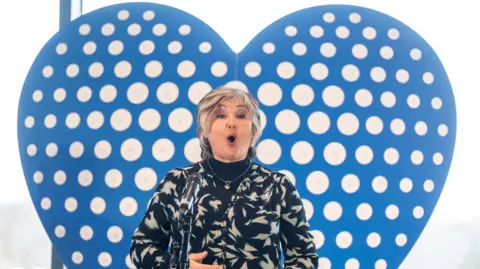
(451, 240)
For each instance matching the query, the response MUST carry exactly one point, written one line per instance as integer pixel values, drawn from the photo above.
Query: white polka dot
(60, 177)
(401, 240)
(286, 70)
(146, 47)
(324, 263)
(192, 150)
(197, 91)
(71, 204)
(303, 95)
(115, 234)
(270, 94)
(108, 93)
(348, 124)
(350, 183)
(416, 157)
(77, 257)
(428, 78)
(416, 54)
(29, 122)
(238, 85)
(134, 29)
(418, 212)
(291, 31)
(299, 49)
(60, 231)
(46, 203)
(352, 263)
(108, 29)
(379, 184)
(95, 120)
(329, 17)
(84, 94)
(397, 126)
(332, 211)
(413, 101)
(149, 119)
(163, 150)
(374, 125)
(369, 33)
(98, 205)
(84, 29)
(174, 47)
(378, 74)
(317, 182)
(386, 52)
(123, 69)
(47, 71)
(123, 15)
(374, 240)
(184, 29)
(359, 51)
(131, 149)
(392, 212)
(406, 185)
(302, 152)
(153, 69)
(72, 120)
(38, 177)
(137, 93)
(104, 259)
(159, 29)
(438, 158)
(72, 71)
(334, 153)
(76, 149)
(318, 239)
(219, 69)
(318, 122)
(333, 96)
(50, 121)
(31, 150)
(342, 32)
(85, 178)
(287, 121)
(363, 97)
(86, 233)
(344, 240)
(128, 206)
(146, 179)
(180, 120)
(364, 155)
(113, 178)
(96, 70)
(115, 47)
(186, 69)
(37, 96)
(59, 95)
(253, 69)
(328, 50)
(167, 93)
(263, 119)
(269, 151)
(393, 34)
(355, 18)
(391, 156)
(121, 119)
(102, 149)
(381, 264)
(309, 210)
(319, 71)
(316, 31)
(61, 48)
(290, 176)
(51, 150)
(205, 47)
(402, 76)
(428, 185)
(436, 103)
(421, 128)
(442, 129)
(388, 99)
(148, 15)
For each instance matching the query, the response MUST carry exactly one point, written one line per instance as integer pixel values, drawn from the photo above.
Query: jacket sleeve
(150, 242)
(297, 241)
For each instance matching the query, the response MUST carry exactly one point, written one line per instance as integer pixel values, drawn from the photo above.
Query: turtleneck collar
(228, 171)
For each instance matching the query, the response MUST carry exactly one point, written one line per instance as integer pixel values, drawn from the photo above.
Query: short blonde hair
(209, 103)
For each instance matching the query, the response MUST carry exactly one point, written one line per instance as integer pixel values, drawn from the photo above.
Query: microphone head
(195, 178)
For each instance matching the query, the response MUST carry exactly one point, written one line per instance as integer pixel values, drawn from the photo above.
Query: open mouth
(231, 138)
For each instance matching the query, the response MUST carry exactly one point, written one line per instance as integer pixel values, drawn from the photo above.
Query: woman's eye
(220, 116)
(242, 116)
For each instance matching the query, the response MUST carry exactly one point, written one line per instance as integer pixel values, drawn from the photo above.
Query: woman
(245, 214)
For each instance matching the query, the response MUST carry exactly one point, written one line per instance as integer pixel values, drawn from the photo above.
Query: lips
(231, 139)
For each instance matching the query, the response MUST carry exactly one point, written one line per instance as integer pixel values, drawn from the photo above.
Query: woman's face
(231, 131)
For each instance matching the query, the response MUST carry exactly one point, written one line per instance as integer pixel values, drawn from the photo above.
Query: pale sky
(449, 26)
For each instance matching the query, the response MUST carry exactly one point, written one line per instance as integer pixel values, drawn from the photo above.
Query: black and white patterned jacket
(264, 218)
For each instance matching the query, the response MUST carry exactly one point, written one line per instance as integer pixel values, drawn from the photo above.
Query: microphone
(190, 192)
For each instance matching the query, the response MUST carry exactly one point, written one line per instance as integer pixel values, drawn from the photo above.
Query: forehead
(232, 104)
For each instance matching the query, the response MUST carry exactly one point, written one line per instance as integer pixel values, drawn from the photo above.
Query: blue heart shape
(358, 112)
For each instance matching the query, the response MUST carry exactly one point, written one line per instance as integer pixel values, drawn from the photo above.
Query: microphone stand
(181, 252)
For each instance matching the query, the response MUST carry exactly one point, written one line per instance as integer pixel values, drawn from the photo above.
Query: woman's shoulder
(266, 172)
(182, 172)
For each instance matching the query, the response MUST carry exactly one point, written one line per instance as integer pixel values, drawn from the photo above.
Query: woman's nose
(231, 124)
